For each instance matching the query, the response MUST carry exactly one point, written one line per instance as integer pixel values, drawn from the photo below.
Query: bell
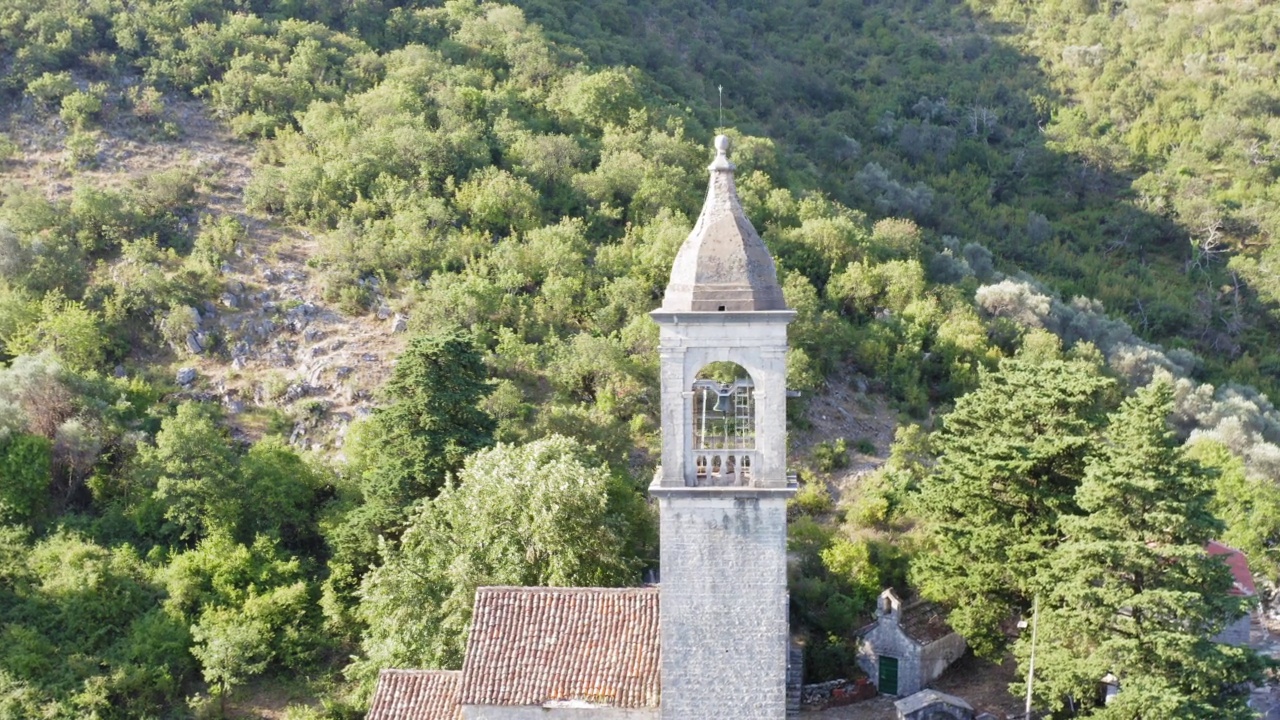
(722, 402)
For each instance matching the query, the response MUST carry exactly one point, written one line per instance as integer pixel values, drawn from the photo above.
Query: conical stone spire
(723, 266)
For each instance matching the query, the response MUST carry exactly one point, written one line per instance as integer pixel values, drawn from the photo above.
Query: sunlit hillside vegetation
(958, 195)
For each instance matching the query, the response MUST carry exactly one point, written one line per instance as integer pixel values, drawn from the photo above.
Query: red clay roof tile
(416, 695)
(1239, 565)
(532, 646)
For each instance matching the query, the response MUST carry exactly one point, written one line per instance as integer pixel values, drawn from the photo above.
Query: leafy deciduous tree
(545, 513)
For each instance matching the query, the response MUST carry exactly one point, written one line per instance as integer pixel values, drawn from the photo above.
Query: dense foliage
(1130, 591)
(545, 513)
(1119, 150)
(527, 173)
(1010, 457)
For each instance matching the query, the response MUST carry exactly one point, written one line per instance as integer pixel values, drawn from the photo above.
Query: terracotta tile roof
(1239, 565)
(532, 646)
(416, 695)
(923, 622)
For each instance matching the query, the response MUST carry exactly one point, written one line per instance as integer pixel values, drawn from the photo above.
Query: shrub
(274, 386)
(24, 477)
(80, 109)
(81, 151)
(8, 148)
(813, 497)
(870, 510)
(216, 242)
(146, 101)
(831, 455)
(73, 332)
(177, 324)
(830, 657)
(50, 88)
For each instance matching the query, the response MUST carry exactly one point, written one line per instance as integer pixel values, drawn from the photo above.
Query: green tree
(546, 513)
(1131, 590)
(1247, 503)
(432, 422)
(231, 649)
(405, 452)
(25, 471)
(280, 494)
(1011, 455)
(498, 201)
(17, 310)
(198, 480)
(68, 328)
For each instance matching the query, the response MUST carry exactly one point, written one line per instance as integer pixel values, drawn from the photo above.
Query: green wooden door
(888, 675)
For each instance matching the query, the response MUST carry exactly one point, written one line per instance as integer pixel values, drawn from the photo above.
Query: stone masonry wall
(757, 342)
(938, 655)
(724, 604)
(886, 638)
(917, 665)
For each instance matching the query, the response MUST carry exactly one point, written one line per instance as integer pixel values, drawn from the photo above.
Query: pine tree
(410, 446)
(433, 421)
(1011, 455)
(1131, 591)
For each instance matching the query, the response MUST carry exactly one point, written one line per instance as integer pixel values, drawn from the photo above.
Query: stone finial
(723, 265)
(722, 155)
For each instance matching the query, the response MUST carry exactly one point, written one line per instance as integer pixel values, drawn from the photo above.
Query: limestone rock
(186, 376)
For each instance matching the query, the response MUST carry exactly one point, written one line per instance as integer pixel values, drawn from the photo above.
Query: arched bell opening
(723, 415)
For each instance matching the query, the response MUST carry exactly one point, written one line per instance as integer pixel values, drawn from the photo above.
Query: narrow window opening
(721, 308)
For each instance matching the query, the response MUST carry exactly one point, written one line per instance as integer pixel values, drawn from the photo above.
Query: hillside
(1116, 152)
(285, 287)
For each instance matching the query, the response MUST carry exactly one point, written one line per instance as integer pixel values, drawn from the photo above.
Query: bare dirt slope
(270, 340)
(847, 409)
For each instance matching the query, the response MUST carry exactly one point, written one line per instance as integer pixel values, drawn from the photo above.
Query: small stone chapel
(711, 641)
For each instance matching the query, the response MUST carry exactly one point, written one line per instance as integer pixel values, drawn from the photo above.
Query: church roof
(1239, 564)
(563, 646)
(723, 265)
(416, 695)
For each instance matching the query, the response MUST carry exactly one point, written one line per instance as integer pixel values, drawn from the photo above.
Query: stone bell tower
(723, 485)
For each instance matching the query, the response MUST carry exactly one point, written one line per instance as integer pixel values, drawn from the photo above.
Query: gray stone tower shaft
(722, 495)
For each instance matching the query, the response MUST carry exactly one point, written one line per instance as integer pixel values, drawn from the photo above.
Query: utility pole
(1031, 666)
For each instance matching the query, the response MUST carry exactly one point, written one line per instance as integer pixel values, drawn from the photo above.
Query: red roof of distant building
(416, 695)
(532, 646)
(1239, 565)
